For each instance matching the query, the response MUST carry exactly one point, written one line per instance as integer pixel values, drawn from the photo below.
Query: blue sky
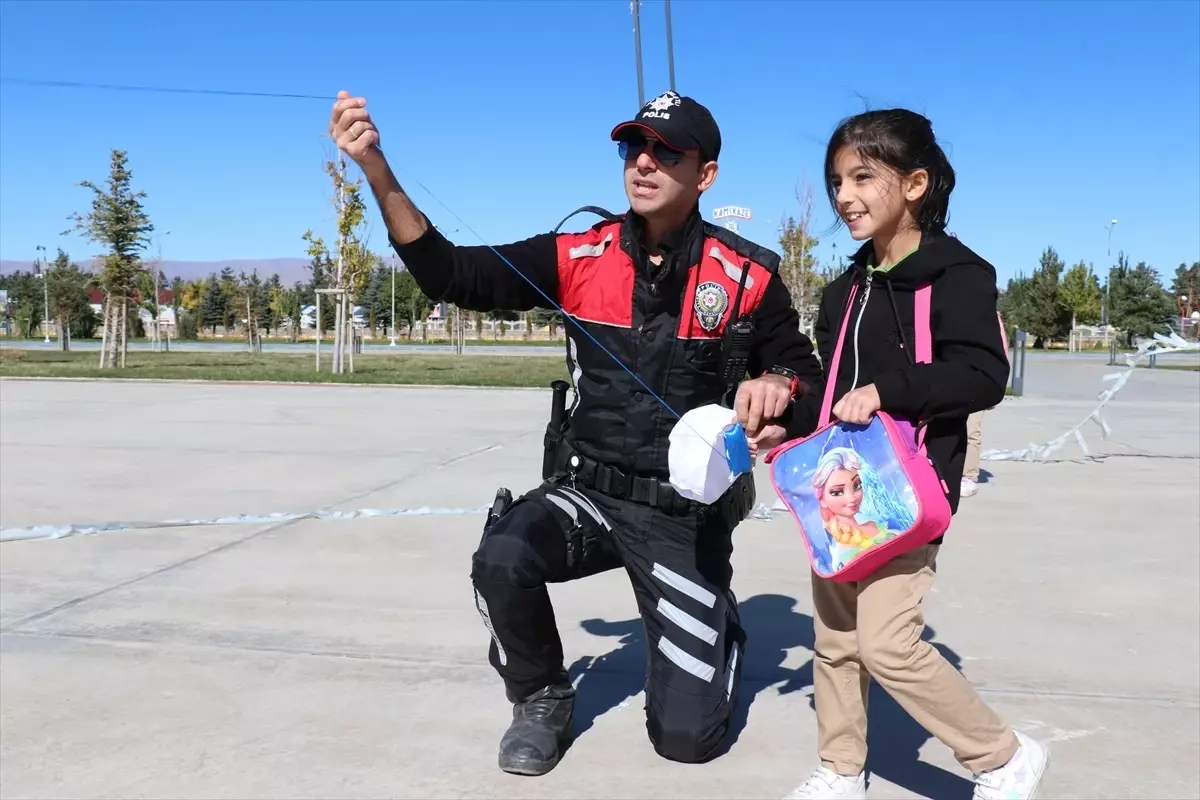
(1057, 116)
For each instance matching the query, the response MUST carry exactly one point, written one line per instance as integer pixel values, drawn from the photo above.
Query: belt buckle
(665, 496)
(604, 478)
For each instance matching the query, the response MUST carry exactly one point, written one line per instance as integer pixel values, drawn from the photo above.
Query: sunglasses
(667, 156)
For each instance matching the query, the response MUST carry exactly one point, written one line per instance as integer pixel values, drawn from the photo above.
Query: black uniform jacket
(663, 323)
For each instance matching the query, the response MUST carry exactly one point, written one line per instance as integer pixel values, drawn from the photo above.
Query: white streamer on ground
(1160, 345)
(91, 529)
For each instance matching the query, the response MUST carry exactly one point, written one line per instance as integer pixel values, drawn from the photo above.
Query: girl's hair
(904, 141)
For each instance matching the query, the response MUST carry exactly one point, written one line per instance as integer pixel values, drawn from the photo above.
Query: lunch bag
(863, 494)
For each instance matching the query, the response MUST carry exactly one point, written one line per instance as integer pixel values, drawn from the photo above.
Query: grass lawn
(435, 369)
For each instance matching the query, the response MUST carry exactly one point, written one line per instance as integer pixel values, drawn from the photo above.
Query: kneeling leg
(695, 643)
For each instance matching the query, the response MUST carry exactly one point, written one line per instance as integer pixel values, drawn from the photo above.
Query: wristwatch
(789, 374)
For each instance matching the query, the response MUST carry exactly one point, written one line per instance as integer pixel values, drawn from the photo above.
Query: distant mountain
(290, 269)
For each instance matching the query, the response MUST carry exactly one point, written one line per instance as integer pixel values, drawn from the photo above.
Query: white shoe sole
(1041, 773)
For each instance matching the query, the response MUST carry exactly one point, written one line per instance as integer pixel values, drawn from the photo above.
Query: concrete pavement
(346, 659)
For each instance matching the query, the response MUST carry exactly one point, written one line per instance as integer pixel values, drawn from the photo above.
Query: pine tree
(118, 221)
(1048, 316)
(1014, 303)
(213, 304)
(1139, 305)
(1187, 284)
(1080, 294)
(66, 287)
(271, 291)
(377, 297)
(227, 283)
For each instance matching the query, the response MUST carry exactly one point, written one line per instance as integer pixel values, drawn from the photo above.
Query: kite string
(158, 89)
(227, 92)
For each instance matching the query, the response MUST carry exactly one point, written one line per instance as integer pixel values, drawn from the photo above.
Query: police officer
(688, 309)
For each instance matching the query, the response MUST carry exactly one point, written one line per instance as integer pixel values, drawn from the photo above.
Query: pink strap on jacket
(921, 316)
(924, 343)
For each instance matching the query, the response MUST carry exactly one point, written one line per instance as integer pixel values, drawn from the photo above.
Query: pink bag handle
(831, 380)
(924, 343)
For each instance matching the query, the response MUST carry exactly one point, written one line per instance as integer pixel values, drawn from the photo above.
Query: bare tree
(800, 268)
(353, 264)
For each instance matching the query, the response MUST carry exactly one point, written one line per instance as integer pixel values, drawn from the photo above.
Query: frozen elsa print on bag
(850, 492)
(838, 486)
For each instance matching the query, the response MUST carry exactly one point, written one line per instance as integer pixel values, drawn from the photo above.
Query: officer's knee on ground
(686, 728)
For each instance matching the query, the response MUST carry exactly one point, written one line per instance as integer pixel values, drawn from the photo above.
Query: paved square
(319, 658)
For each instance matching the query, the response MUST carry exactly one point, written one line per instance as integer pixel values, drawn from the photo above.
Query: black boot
(541, 725)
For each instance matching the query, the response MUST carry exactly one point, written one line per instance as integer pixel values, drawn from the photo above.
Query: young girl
(889, 181)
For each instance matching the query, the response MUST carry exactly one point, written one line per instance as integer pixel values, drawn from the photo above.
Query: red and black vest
(666, 328)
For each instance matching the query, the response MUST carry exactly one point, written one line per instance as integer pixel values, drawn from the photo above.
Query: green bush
(84, 323)
(188, 326)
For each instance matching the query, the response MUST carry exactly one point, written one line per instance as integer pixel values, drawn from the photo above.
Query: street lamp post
(157, 301)
(636, 8)
(45, 295)
(670, 48)
(393, 301)
(1108, 282)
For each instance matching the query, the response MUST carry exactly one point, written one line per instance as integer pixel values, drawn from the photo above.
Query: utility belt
(561, 460)
(612, 481)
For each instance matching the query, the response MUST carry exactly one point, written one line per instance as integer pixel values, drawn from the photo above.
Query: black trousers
(680, 569)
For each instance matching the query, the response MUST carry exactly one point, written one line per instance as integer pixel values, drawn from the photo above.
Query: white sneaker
(825, 784)
(968, 487)
(1019, 778)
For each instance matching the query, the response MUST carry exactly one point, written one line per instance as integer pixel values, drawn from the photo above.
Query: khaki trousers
(873, 628)
(974, 445)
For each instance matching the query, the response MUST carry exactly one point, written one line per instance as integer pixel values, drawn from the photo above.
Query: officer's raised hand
(351, 127)
(761, 400)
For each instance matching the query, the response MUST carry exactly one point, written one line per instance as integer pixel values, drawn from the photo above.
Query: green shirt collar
(872, 269)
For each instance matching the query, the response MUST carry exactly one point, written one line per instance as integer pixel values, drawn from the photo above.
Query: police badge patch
(711, 302)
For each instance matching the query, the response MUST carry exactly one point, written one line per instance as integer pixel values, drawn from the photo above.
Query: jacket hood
(934, 255)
